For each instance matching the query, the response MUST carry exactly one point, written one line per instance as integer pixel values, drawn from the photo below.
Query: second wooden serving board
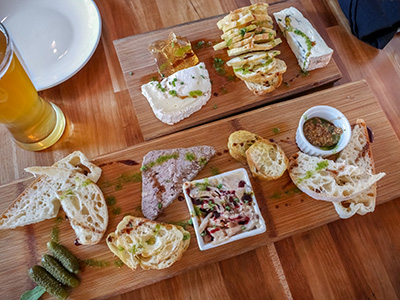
(228, 97)
(285, 210)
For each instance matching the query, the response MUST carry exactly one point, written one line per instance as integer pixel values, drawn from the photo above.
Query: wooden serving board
(285, 210)
(228, 97)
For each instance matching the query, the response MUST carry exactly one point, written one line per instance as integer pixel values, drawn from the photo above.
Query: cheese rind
(179, 95)
(307, 45)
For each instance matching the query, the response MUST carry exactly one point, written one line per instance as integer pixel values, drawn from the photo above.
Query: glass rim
(6, 61)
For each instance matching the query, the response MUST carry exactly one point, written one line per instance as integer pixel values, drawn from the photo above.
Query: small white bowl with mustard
(323, 131)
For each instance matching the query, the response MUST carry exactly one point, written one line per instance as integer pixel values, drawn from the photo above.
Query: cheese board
(286, 211)
(228, 96)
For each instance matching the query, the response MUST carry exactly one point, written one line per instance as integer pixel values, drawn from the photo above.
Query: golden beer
(34, 123)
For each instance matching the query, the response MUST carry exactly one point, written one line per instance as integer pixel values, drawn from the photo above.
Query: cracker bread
(149, 244)
(248, 34)
(324, 179)
(266, 160)
(358, 153)
(37, 202)
(238, 143)
(251, 59)
(264, 87)
(81, 199)
(164, 172)
(254, 47)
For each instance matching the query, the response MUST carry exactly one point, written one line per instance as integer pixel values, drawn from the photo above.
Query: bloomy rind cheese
(175, 97)
(307, 45)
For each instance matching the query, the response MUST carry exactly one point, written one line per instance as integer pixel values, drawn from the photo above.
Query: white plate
(54, 38)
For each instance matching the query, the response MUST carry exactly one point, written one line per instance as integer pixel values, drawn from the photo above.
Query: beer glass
(35, 124)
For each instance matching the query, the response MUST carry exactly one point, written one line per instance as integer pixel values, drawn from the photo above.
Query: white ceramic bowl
(242, 174)
(54, 38)
(330, 114)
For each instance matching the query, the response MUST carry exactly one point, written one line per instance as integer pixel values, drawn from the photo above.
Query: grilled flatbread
(358, 153)
(164, 172)
(324, 179)
(38, 202)
(81, 199)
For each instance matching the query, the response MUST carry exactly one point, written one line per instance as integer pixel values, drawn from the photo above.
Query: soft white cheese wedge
(179, 95)
(307, 45)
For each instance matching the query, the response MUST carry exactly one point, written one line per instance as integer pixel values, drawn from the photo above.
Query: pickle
(58, 271)
(64, 256)
(41, 277)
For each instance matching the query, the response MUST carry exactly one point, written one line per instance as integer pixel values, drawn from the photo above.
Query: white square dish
(223, 208)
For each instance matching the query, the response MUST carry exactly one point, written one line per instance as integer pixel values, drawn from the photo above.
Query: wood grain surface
(138, 66)
(285, 210)
(346, 259)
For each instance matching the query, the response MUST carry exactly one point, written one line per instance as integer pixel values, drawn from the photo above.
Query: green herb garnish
(173, 93)
(190, 156)
(110, 200)
(322, 165)
(186, 236)
(116, 210)
(118, 263)
(33, 294)
(195, 94)
(218, 65)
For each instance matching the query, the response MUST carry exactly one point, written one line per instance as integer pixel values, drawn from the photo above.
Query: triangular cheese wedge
(164, 172)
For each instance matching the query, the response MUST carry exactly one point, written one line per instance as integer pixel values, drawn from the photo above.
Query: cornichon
(41, 277)
(64, 256)
(58, 271)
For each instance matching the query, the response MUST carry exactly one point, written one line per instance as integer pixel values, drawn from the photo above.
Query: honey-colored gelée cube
(173, 54)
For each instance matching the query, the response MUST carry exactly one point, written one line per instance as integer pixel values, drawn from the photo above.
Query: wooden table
(348, 259)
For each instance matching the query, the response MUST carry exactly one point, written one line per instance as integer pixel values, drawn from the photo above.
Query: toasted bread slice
(38, 202)
(266, 160)
(238, 143)
(358, 153)
(77, 161)
(152, 245)
(236, 32)
(262, 73)
(254, 47)
(258, 72)
(82, 201)
(251, 59)
(324, 179)
(267, 33)
(264, 87)
(253, 38)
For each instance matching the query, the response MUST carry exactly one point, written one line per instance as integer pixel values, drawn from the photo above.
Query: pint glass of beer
(34, 123)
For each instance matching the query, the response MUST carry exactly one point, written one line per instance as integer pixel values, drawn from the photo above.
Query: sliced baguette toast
(81, 199)
(264, 87)
(358, 153)
(266, 160)
(254, 47)
(251, 59)
(37, 202)
(238, 143)
(149, 244)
